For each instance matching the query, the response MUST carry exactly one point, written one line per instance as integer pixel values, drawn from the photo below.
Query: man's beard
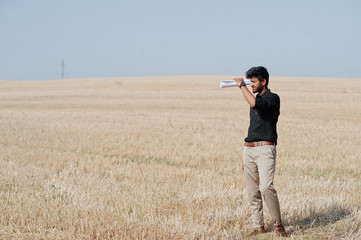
(256, 90)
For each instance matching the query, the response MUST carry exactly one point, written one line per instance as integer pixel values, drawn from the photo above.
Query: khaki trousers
(259, 169)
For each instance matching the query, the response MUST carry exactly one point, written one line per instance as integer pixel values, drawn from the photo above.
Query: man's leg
(266, 162)
(252, 185)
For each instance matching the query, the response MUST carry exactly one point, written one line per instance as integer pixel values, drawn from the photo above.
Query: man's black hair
(259, 72)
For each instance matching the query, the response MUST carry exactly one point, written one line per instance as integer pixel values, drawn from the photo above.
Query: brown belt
(261, 143)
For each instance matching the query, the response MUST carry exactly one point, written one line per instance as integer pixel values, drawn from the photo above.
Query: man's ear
(264, 82)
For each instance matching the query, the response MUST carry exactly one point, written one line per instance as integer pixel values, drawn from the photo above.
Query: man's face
(256, 85)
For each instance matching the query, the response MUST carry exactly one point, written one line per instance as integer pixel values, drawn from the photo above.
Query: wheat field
(160, 158)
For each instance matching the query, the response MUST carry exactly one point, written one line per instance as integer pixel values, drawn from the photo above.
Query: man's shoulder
(268, 93)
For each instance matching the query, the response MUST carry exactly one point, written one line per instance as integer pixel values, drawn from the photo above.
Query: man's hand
(238, 81)
(250, 98)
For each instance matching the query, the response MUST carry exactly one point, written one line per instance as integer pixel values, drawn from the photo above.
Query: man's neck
(263, 91)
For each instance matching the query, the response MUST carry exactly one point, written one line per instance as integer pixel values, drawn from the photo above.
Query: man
(259, 153)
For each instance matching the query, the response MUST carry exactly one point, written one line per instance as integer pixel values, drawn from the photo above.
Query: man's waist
(259, 143)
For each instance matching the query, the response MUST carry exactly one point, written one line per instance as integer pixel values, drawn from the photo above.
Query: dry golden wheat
(160, 158)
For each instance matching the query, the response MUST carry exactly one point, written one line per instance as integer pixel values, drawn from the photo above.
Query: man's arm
(250, 98)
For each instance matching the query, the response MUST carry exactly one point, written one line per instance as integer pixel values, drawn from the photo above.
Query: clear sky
(117, 38)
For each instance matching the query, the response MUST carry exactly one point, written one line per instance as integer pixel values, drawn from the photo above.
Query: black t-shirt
(263, 118)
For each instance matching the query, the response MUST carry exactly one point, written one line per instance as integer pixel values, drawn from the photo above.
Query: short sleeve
(267, 101)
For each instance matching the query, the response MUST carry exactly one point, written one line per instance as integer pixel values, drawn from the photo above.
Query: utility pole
(62, 70)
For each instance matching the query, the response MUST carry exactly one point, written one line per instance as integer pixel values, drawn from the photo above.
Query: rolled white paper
(232, 83)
